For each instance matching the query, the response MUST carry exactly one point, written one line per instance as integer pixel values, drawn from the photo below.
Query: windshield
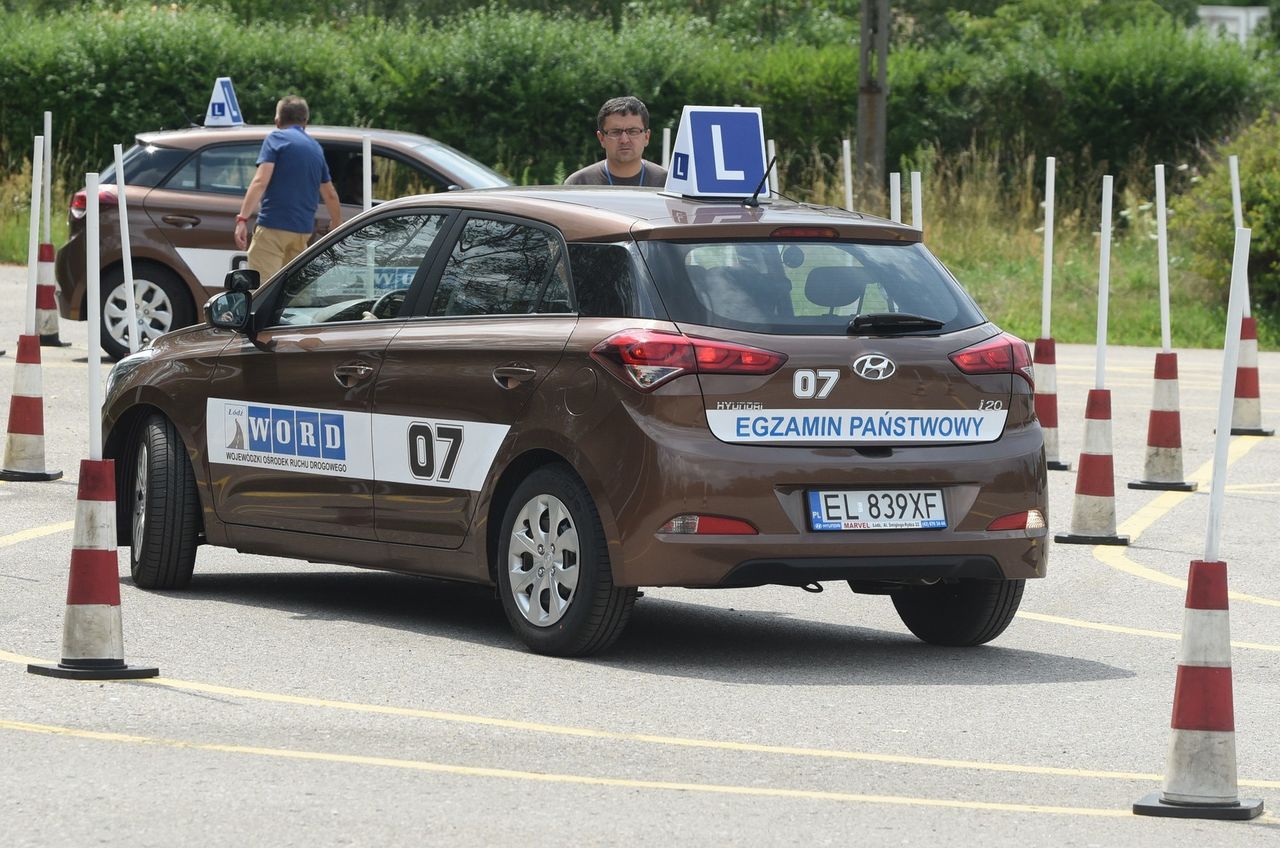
(461, 166)
(805, 287)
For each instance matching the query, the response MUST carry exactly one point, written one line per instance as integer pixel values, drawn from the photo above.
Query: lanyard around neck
(609, 176)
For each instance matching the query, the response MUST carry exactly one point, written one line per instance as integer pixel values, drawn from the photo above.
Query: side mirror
(229, 310)
(242, 280)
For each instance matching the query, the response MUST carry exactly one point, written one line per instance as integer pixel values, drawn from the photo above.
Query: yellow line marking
(675, 741)
(1140, 521)
(1128, 631)
(543, 777)
(35, 533)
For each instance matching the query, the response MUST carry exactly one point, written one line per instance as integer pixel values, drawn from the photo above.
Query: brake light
(1032, 519)
(80, 201)
(645, 359)
(1002, 354)
(804, 232)
(707, 525)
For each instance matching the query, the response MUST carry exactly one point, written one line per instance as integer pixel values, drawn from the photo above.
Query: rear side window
(503, 268)
(604, 280)
(146, 165)
(225, 169)
(802, 288)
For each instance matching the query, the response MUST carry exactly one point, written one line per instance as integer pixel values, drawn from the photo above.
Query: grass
(986, 229)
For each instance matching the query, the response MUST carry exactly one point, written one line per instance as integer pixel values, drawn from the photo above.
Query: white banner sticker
(856, 426)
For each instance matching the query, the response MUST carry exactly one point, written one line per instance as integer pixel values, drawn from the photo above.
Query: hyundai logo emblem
(874, 366)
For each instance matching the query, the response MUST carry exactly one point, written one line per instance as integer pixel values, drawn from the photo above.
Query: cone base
(53, 341)
(1163, 487)
(1152, 805)
(1251, 431)
(121, 672)
(1076, 539)
(30, 476)
(1055, 465)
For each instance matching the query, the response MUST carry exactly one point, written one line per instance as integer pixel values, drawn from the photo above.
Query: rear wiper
(893, 322)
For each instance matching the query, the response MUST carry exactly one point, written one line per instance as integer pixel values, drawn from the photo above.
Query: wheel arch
(144, 260)
(119, 445)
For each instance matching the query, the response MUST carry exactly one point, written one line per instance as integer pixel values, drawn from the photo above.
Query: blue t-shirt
(294, 191)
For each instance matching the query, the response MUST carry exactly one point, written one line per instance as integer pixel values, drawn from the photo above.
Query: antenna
(754, 200)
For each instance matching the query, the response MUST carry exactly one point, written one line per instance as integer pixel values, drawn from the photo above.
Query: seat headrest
(833, 287)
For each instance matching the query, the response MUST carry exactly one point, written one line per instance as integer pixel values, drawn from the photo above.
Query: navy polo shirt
(294, 191)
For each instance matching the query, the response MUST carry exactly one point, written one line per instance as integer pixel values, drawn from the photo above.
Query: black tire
(960, 614)
(596, 611)
(164, 508)
(166, 305)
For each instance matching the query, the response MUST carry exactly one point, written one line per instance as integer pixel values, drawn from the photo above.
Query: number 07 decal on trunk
(389, 448)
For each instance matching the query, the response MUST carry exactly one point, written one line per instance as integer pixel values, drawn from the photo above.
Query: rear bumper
(68, 271)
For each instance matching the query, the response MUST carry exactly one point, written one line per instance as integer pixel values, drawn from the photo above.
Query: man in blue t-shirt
(291, 170)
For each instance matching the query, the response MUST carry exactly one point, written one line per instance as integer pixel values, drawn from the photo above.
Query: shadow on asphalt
(664, 637)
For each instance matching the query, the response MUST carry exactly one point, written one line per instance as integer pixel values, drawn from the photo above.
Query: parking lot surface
(314, 704)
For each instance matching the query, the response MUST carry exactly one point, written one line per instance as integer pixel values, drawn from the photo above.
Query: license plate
(876, 509)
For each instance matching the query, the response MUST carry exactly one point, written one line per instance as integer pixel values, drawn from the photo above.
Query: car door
(457, 377)
(290, 441)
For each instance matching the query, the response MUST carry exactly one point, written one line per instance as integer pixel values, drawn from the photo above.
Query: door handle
(350, 375)
(510, 376)
(182, 222)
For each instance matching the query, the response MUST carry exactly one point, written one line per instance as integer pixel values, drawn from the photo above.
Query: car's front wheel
(161, 302)
(553, 568)
(164, 508)
(959, 614)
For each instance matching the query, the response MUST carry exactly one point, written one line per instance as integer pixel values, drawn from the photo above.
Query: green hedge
(520, 89)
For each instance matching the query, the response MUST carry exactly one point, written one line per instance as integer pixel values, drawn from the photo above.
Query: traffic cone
(1200, 778)
(47, 300)
(1163, 468)
(1046, 399)
(24, 448)
(1246, 411)
(1093, 517)
(92, 635)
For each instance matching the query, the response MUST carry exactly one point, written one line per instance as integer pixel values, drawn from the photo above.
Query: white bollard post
(33, 240)
(917, 213)
(773, 172)
(126, 252)
(367, 184)
(895, 197)
(1104, 284)
(48, 176)
(93, 281)
(1237, 213)
(1162, 255)
(666, 147)
(848, 174)
(1230, 360)
(1046, 295)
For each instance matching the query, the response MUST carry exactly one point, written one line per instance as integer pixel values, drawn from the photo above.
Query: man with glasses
(622, 126)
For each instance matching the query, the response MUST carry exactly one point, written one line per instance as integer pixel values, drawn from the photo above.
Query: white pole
(367, 185)
(666, 147)
(48, 175)
(1237, 211)
(895, 197)
(1104, 282)
(126, 251)
(1046, 297)
(773, 172)
(33, 240)
(1226, 400)
(848, 174)
(93, 298)
(917, 213)
(1162, 252)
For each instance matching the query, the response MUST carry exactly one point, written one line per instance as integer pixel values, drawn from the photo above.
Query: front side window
(503, 268)
(225, 169)
(362, 277)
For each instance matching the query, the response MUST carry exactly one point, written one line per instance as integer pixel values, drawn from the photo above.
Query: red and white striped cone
(1163, 469)
(1093, 516)
(24, 447)
(1246, 411)
(1200, 778)
(1046, 399)
(47, 299)
(92, 634)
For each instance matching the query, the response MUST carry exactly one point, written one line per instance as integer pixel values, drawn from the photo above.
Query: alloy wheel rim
(140, 496)
(543, 560)
(154, 312)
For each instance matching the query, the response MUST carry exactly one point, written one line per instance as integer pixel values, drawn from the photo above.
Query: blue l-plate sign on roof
(719, 152)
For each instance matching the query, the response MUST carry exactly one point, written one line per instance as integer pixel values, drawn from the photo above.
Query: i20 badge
(874, 366)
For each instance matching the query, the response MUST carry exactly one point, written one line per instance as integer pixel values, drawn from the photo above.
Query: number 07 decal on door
(435, 452)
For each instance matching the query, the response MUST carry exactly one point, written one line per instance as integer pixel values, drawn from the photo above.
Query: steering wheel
(388, 304)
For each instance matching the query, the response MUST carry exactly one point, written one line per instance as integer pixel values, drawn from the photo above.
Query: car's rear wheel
(161, 300)
(959, 614)
(553, 568)
(164, 508)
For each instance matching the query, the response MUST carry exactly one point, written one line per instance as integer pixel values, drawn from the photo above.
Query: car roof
(605, 213)
(195, 137)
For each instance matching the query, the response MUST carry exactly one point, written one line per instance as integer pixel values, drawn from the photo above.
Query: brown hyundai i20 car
(573, 393)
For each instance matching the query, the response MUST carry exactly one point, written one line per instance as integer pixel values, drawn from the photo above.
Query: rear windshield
(146, 165)
(802, 287)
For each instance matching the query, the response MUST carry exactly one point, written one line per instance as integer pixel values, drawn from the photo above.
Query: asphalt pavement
(304, 704)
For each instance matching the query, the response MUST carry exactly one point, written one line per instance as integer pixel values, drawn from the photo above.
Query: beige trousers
(270, 250)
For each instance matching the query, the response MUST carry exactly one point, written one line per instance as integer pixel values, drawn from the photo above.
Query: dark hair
(292, 111)
(627, 105)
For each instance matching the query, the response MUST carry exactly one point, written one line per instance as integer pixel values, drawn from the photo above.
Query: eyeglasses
(630, 132)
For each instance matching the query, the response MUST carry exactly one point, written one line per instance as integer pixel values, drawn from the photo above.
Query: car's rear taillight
(80, 201)
(1002, 354)
(645, 359)
(707, 525)
(1032, 519)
